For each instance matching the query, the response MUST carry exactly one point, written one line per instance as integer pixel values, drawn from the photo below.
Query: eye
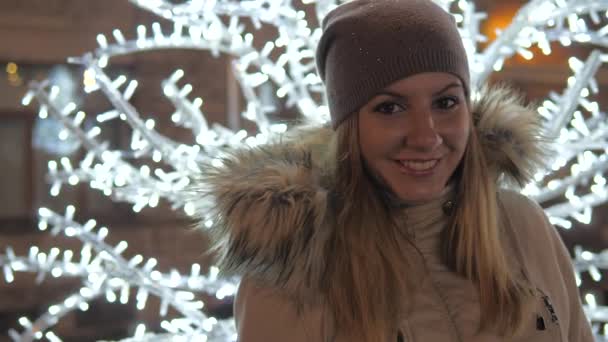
(447, 102)
(388, 107)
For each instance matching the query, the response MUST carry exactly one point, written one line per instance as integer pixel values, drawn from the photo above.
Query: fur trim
(511, 135)
(269, 208)
(270, 204)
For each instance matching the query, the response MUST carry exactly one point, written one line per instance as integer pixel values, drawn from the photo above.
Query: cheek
(369, 147)
(456, 135)
(462, 137)
(363, 139)
(372, 137)
(460, 131)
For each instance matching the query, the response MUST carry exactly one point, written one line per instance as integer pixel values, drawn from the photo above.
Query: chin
(423, 195)
(421, 198)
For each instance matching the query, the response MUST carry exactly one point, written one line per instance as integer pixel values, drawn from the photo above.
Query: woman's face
(413, 134)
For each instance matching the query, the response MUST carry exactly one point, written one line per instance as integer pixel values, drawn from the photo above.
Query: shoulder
(513, 200)
(266, 313)
(546, 260)
(526, 217)
(535, 237)
(545, 257)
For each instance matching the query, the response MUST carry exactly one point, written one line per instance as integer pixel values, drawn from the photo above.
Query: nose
(422, 134)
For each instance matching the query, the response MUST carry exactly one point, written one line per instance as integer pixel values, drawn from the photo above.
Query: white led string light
(104, 271)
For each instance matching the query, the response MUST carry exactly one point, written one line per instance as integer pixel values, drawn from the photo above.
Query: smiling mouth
(418, 167)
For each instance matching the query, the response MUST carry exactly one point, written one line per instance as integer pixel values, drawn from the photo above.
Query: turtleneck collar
(444, 195)
(430, 217)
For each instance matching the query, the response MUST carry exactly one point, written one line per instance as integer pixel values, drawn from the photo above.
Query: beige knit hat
(368, 44)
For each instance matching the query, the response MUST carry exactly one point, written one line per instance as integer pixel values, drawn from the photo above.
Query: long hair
(472, 245)
(374, 284)
(373, 279)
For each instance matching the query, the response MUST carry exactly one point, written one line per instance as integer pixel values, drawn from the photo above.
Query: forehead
(428, 82)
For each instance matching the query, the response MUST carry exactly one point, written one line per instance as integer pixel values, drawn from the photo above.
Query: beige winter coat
(271, 212)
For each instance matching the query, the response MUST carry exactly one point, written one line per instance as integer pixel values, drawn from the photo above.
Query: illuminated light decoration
(11, 68)
(105, 272)
(12, 71)
(285, 63)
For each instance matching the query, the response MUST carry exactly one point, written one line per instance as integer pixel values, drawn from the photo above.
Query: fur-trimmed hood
(270, 204)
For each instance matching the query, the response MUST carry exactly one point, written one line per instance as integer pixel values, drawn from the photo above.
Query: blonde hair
(372, 285)
(369, 297)
(472, 246)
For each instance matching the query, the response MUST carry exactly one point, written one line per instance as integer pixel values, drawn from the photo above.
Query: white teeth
(420, 166)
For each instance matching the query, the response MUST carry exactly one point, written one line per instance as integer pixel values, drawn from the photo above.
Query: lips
(418, 166)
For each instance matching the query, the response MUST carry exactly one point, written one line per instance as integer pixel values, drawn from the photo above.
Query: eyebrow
(443, 90)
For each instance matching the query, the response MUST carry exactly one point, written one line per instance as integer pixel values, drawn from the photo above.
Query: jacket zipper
(438, 294)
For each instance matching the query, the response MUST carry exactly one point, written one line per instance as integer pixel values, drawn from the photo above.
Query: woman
(390, 225)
